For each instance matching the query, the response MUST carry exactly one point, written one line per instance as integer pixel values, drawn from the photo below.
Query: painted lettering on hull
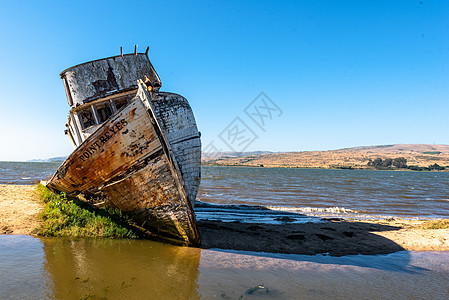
(101, 141)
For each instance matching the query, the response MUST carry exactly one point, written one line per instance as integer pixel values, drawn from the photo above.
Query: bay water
(251, 194)
(58, 268)
(263, 194)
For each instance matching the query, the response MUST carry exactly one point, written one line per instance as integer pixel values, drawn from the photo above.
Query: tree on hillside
(436, 167)
(377, 163)
(387, 162)
(400, 162)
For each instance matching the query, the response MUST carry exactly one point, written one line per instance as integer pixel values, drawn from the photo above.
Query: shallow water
(33, 268)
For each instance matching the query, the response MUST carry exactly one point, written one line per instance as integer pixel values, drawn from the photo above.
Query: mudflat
(335, 237)
(21, 204)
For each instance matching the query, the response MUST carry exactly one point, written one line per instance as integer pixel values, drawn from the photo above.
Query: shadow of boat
(291, 233)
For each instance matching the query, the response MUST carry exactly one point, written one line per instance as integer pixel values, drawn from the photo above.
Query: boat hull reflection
(121, 269)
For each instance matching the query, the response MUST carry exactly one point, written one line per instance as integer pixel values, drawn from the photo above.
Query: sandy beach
(20, 205)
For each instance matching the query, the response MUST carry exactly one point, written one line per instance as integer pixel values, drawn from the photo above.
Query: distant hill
(419, 155)
(217, 155)
(53, 159)
(400, 148)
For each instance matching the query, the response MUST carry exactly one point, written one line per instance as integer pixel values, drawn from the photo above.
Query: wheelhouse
(98, 89)
(85, 119)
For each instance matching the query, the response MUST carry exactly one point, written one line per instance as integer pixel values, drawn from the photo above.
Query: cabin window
(86, 118)
(119, 103)
(104, 111)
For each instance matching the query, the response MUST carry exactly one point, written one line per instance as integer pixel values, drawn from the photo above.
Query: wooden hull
(129, 161)
(178, 124)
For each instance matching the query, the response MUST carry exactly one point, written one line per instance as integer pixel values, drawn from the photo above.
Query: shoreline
(316, 168)
(20, 205)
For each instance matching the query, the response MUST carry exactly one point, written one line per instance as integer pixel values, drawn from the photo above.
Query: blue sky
(343, 73)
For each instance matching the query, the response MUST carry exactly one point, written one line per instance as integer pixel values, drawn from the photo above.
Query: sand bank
(20, 205)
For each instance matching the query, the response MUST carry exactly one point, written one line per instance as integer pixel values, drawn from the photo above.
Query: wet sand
(335, 237)
(20, 205)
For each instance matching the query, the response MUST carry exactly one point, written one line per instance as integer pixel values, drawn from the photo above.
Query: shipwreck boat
(137, 149)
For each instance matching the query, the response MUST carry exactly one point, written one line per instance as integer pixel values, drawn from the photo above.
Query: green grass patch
(65, 216)
(437, 224)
